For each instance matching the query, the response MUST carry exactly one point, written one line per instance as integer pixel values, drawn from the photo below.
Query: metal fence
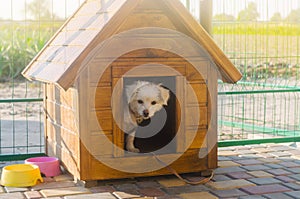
(25, 26)
(261, 37)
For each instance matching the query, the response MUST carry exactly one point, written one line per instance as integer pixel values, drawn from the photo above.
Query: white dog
(144, 99)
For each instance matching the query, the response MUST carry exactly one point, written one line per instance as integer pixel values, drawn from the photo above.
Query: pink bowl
(49, 166)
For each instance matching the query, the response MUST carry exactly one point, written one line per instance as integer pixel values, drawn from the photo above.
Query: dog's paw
(133, 149)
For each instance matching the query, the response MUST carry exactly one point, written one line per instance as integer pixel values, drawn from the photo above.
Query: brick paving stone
(294, 152)
(102, 189)
(260, 174)
(279, 172)
(230, 184)
(295, 176)
(249, 162)
(281, 148)
(252, 197)
(228, 153)
(266, 155)
(64, 191)
(53, 185)
(239, 175)
(172, 182)
(274, 166)
(256, 146)
(64, 177)
(262, 150)
(48, 179)
(242, 147)
(168, 197)
(277, 196)
(265, 189)
(92, 196)
(246, 152)
(124, 187)
(205, 195)
(294, 194)
(228, 164)
(226, 148)
(145, 184)
(185, 189)
(285, 179)
(229, 193)
(228, 170)
(293, 185)
(289, 164)
(15, 195)
(280, 154)
(220, 178)
(151, 192)
(124, 195)
(269, 160)
(15, 189)
(224, 158)
(293, 170)
(264, 181)
(33, 194)
(255, 167)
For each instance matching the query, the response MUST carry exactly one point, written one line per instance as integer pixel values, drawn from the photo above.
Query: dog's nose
(146, 113)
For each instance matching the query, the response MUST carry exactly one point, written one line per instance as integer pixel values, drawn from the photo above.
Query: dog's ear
(164, 94)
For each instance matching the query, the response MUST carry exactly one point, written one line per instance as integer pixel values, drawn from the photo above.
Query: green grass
(19, 43)
(257, 29)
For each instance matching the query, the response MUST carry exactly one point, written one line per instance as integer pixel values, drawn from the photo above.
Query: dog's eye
(140, 101)
(153, 103)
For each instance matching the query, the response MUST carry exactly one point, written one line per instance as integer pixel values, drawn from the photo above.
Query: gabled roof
(59, 61)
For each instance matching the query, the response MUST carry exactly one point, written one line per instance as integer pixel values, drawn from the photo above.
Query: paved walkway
(256, 171)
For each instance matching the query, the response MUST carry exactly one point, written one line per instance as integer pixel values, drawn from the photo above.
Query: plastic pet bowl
(20, 175)
(49, 166)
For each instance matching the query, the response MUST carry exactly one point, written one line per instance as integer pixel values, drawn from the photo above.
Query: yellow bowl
(20, 175)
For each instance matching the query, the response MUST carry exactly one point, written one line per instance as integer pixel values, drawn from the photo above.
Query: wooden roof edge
(27, 68)
(232, 74)
(66, 81)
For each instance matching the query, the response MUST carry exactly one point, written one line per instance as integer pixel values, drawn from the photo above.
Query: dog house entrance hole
(156, 134)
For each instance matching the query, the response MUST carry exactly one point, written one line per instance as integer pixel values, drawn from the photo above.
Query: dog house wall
(78, 89)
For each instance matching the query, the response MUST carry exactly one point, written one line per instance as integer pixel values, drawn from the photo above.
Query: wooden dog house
(99, 50)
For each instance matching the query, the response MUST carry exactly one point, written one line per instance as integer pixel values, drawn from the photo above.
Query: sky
(14, 9)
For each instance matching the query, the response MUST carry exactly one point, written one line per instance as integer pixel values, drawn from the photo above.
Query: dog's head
(146, 98)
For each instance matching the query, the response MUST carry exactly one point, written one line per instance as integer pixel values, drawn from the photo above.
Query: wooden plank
(188, 162)
(96, 77)
(197, 71)
(196, 117)
(63, 116)
(84, 111)
(179, 44)
(131, 70)
(148, 18)
(118, 112)
(212, 111)
(196, 139)
(197, 94)
(101, 120)
(101, 144)
(180, 121)
(100, 98)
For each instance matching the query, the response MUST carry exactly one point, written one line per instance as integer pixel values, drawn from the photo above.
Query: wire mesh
(25, 26)
(262, 38)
